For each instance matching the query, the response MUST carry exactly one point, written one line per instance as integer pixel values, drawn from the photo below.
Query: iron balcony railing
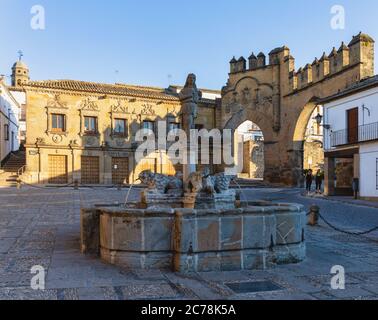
(367, 132)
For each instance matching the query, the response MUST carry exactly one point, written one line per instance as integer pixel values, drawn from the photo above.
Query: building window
(120, 127)
(149, 125)
(90, 125)
(6, 132)
(58, 122)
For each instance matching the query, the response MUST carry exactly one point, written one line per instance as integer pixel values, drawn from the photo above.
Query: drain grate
(254, 287)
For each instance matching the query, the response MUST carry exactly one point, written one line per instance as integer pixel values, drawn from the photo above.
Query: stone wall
(280, 99)
(253, 154)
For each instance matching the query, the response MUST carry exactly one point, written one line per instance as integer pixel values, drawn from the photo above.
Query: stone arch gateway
(280, 99)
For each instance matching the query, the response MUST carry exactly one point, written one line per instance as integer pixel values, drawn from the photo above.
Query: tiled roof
(101, 88)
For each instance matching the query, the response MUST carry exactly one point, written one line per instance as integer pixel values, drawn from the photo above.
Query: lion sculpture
(159, 182)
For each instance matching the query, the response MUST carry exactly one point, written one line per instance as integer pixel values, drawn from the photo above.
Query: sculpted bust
(189, 97)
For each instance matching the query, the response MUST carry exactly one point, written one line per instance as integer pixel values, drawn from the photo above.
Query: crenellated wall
(359, 51)
(280, 99)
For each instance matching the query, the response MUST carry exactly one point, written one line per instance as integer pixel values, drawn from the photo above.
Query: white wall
(335, 112)
(20, 97)
(368, 170)
(9, 114)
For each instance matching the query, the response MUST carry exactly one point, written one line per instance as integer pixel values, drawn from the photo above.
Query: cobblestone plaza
(42, 227)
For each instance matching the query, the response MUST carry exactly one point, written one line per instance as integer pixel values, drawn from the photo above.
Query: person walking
(309, 179)
(319, 181)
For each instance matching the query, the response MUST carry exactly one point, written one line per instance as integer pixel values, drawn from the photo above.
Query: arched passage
(253, 151)
(308, 140)
(261, 153)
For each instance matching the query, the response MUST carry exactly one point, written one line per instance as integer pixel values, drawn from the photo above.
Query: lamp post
(319, 121)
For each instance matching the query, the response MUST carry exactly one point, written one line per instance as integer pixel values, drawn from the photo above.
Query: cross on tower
(20, 55)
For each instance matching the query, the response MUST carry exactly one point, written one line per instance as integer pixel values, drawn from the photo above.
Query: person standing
(319, 181)
(309, 179)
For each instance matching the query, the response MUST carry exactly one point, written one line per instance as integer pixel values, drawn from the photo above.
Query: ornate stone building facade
(280, 99)
(85, 132)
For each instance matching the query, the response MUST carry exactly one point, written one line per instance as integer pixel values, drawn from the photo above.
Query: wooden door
(90, 170)
(352, 116)
(57, 169)
(120, 170)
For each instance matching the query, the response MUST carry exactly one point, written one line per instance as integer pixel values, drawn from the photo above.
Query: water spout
(241, 191)
(128, 194)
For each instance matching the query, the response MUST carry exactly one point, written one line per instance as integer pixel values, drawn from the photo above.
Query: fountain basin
(187, 240)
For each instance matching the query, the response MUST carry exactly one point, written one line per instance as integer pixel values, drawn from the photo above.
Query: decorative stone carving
(120, 108)
(246, 94)
(217, 183)
(57, 138)
(40, 141)
(56, 103)
(261, 100)
(235, 97)
(89, 105)
(90, 141)
(194, 183)
(73, 143)
(148, 110)
(120, 142)
(160, 183)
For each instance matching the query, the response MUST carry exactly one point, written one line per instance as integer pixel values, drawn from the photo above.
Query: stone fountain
(194, 223)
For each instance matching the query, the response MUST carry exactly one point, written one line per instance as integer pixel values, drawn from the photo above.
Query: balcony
(368, 132)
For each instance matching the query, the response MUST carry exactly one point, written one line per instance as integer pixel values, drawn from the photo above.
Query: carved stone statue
(221, 182)
(189, 98)
(203, 182)
(217, 183)
(160, 183)
(194, 183)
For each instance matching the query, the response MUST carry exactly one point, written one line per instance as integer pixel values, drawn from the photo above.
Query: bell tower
(20, 72)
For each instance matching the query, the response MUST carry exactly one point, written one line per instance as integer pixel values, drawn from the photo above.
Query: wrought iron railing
(367, 132)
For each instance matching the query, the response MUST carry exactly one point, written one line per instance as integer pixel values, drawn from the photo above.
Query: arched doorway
(313, 149)
(308, 141)
(252, 143)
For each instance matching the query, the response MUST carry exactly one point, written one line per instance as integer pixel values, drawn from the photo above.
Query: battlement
(360, 51)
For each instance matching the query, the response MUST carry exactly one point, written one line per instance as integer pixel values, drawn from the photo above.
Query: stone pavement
(347, 200)
(42, 227)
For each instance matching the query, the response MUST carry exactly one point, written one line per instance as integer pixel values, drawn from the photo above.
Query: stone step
(16, 161)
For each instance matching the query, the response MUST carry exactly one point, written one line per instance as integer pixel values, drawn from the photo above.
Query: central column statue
(189, 98)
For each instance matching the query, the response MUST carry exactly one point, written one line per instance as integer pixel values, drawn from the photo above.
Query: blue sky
(157, 43)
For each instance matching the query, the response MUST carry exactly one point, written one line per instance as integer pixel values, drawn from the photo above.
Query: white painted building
(351, 140)
(9, 122)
